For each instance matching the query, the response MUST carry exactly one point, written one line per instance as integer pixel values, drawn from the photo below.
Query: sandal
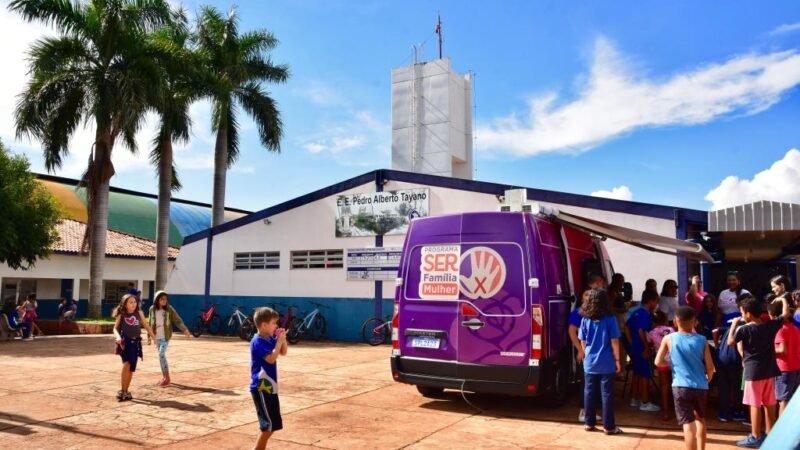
(616, 430)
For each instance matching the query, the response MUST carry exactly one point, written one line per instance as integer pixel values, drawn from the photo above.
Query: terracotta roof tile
(117, 244)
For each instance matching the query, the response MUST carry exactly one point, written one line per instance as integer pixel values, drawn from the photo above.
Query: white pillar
(140, 286)
(76, 289)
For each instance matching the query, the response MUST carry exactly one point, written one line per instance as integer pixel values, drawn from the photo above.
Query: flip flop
(616, 430)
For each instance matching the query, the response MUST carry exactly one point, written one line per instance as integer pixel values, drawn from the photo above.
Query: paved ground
(58, 392)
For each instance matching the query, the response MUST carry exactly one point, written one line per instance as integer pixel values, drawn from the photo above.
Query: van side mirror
(533, 283)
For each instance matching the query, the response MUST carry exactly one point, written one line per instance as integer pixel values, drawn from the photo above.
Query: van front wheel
(430, 392)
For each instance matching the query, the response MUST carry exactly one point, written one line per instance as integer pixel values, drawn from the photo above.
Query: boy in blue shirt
(636, 328)
(692, 369)
(266, 346)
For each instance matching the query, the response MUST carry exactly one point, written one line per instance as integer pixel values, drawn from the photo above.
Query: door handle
(472, 323)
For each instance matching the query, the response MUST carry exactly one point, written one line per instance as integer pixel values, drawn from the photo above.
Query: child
(572, 331)
(128, 334)
(692, 369)
(709, 317)
(636, 329)
(29, 315)
(161, 318)
(66, 310)
(264, 350)
(758, 344)
(599, 335)
(787, 350)
(729, 378)
(656, 336)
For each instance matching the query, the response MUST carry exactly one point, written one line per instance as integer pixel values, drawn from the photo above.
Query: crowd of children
(748, 348)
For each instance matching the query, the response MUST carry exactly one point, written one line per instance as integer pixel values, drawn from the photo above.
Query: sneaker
(635, 403)
(724, 418)
(751, 441)
(120, 396)
(649, 407)
(582, 417)
(740, 417)
(126, 396)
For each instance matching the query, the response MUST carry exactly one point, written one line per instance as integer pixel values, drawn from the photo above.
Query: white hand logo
(487, 273)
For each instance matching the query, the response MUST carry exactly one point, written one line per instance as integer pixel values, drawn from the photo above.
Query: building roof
(382, 176)
(758, 216)
(118, 244)
(136, 213)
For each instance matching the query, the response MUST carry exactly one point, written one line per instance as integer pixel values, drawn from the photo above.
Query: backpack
(728, 355)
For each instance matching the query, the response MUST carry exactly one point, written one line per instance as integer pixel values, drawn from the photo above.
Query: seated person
(67, 310)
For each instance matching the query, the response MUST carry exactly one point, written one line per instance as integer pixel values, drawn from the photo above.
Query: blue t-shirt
(796, 318)
(575, 318)
(640, 320)
(687, 352)
(263, 375)
(598, 334)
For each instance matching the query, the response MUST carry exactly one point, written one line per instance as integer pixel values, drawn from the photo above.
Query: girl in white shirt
(726, 301)
(668, 304)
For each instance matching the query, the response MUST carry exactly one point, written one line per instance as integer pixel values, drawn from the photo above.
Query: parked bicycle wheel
(319, 328)
(374, 332)
(247, 330)
(197, 327)
(214, 325)
(295, 331)
(230, 326)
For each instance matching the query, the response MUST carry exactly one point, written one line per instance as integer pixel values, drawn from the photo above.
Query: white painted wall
(52, 270)
(311, 227)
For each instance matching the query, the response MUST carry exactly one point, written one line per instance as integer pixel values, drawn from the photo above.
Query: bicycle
(233, 323)
(375, 331)
(313, 323)
(207, 322)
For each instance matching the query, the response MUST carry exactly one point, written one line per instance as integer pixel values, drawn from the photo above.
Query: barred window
(317, 259)
(256, 260)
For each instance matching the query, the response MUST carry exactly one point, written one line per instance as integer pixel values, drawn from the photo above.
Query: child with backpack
(656, 337)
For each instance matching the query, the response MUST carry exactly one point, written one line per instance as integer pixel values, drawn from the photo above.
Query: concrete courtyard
(59, 393)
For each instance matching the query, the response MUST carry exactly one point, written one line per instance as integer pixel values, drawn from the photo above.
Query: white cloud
(320, 93)
(617, 99)
(359, 130)
(617, 193)
(785, 29)
(779, 183)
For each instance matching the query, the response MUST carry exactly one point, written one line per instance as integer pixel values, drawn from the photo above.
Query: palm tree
(182, 86)
(238, 64)
(97, 69)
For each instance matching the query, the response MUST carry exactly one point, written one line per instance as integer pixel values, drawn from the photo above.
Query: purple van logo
(483, 273)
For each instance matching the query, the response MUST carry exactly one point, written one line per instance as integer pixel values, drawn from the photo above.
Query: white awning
(637, 238)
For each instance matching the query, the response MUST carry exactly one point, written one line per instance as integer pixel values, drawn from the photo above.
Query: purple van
(483, 299)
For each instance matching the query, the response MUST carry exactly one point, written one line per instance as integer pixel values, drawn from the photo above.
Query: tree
(30, 214)
(237, 65)
(99, 70)
(182, 86)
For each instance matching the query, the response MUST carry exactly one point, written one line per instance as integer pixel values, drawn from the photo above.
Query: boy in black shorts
(266, 346)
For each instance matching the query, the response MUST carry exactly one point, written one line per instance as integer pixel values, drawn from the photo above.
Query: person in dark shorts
(692, 369)
(128, 334)
(265, 347)
(787, 351)
(636, 328)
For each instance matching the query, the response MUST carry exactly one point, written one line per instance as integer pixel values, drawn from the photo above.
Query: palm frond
(264, 111)
(66, 16)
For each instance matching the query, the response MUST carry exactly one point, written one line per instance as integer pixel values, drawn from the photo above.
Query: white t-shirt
(727, 301)
(668, 305)
(160, 324)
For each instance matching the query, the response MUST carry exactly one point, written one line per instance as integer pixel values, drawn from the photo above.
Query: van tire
(430, 391)
(558, 394)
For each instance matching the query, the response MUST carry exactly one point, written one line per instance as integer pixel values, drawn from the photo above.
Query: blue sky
(667, 100)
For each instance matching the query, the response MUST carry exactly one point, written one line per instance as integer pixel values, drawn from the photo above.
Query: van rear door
(494, 321)
(428, 326)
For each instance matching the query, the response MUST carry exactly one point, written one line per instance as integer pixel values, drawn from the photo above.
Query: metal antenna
(439, 32)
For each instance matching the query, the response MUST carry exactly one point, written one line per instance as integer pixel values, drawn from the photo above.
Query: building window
(114, 290)
(317, 259)
(256, 260)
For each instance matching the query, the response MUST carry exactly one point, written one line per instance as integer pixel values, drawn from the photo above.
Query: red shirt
(696, 302)
(790, 336)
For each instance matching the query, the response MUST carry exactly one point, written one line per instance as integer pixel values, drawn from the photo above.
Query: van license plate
(425, 342)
